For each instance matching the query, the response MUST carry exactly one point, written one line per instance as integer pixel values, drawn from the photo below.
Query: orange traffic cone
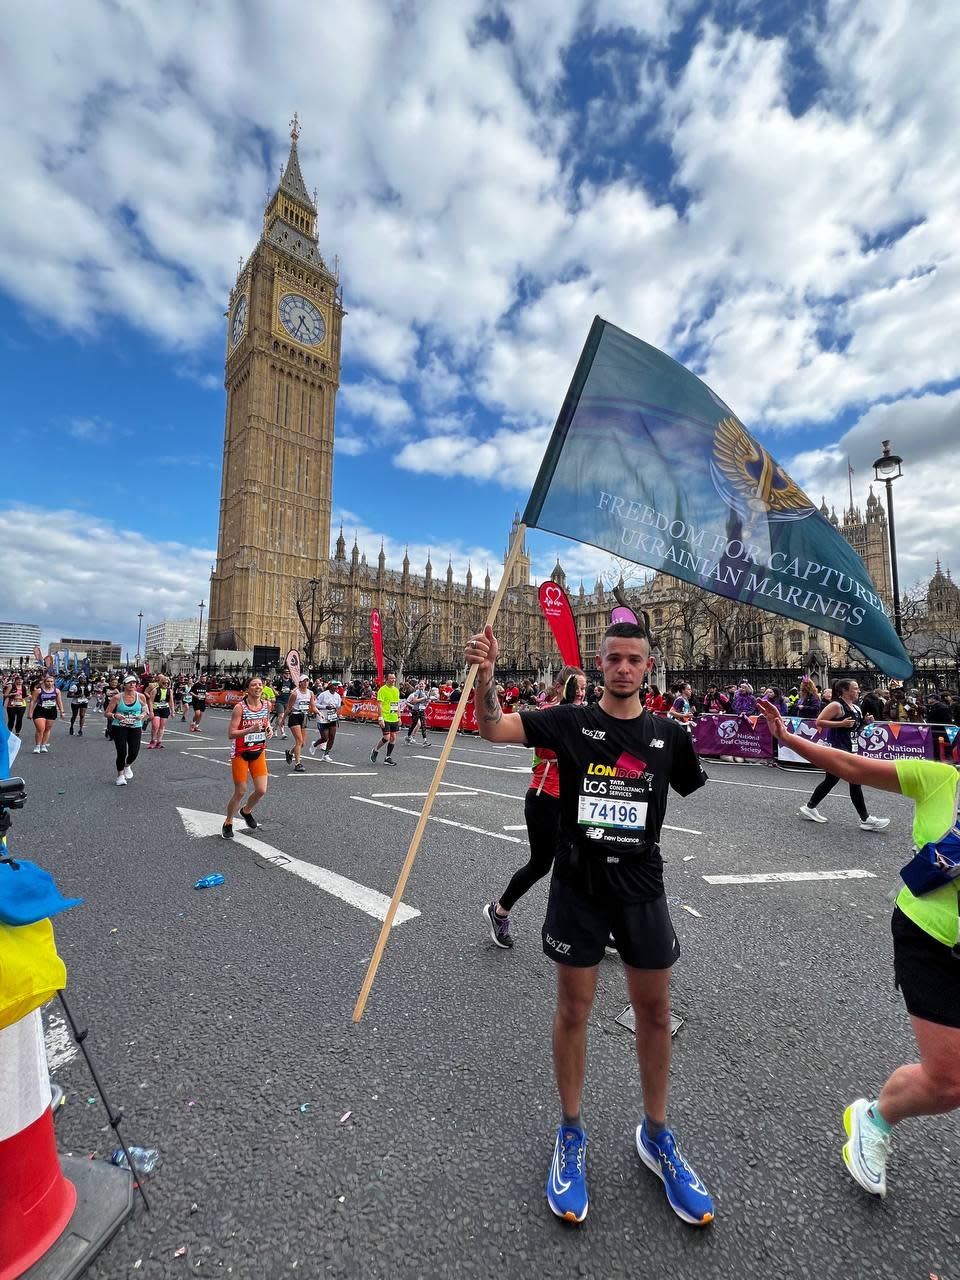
(43, 1215)
(36, 1198)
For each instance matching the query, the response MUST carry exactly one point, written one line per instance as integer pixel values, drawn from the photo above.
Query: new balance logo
(656, 742)
(598, 735)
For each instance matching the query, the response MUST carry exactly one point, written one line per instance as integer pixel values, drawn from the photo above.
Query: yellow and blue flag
(646, 462)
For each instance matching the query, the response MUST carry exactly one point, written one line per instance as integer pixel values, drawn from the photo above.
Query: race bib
(622, 815)
(254, 737)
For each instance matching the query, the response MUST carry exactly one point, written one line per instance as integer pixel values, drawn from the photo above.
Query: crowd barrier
(439, 715)
(748, 738)
(224, 697)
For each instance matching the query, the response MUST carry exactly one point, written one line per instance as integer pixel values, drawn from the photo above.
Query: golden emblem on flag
(749, 480)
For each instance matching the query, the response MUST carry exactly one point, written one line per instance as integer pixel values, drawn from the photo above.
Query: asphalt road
(221, 1021)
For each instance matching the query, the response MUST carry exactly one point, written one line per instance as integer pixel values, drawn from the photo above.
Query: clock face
(301, 319)
(239, 320)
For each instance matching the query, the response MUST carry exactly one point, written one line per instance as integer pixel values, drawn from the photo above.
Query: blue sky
(766, 191)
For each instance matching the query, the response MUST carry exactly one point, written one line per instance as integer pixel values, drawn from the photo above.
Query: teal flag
(646, 462)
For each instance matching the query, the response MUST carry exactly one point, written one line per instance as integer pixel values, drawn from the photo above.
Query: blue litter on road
(208, 882)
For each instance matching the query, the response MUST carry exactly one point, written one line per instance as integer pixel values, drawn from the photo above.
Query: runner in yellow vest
(388, 695)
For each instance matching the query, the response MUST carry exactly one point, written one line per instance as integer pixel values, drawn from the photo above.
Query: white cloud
(438, 384)
(376, 401)
(349, 446)
(511, 457)
(76, 575)
(925, 431)
(379, 340)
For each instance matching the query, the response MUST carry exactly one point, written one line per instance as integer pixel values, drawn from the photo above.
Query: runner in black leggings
(15, 701)
(126, 726)
(541, 811)
(842, 719)
(79, 694)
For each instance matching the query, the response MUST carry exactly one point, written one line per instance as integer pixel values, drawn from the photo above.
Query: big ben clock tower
(282, 374)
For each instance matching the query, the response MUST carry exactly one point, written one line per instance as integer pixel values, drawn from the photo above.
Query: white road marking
(790, 877)
(447, 822)
(60, 1044)
(371, 901)
(472, 764)
(522, 827)
(415, 795)
(322, 773)
(482, 791)
(765, 786)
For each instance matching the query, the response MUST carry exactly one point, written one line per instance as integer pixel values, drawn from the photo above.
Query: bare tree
(403, 634)
(317, 601)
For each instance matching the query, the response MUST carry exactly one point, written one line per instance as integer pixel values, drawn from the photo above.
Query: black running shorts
(296, 718)
(926, 971)
(161, 711)
(391, 726)
(45, 713)
(577, 929)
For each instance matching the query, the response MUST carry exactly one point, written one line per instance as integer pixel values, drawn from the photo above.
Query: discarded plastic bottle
(207, 882)
(145, 1159)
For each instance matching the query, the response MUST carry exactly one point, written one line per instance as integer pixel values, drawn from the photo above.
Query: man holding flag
(616, 763)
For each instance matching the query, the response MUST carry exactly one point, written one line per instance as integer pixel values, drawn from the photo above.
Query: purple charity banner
(879, 741)
(744, 736)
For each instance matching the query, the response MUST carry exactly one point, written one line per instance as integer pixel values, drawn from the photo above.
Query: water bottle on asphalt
(207, 882)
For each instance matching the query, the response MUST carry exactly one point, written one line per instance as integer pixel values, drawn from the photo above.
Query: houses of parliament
(283, 349)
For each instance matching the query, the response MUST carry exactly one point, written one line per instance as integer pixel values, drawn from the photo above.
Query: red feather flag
(377, 632)
(557, 611)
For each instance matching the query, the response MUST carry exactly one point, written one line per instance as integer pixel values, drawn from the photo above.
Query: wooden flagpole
(434, 785)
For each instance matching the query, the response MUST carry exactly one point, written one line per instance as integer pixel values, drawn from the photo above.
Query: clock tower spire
(281, 376)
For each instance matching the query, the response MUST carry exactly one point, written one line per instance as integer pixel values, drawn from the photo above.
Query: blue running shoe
(567, 1184)
(686, 1193)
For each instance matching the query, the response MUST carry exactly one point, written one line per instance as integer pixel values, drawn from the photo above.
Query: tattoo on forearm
(491, 707)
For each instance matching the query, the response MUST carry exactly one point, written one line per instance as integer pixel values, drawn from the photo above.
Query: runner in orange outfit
(249, 731)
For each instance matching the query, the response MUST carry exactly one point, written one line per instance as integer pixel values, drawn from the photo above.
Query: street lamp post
(201, 606)
(139, 625)
(888, 468)
(312, 584)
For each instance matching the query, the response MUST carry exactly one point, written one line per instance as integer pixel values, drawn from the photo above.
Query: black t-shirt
(614, 778)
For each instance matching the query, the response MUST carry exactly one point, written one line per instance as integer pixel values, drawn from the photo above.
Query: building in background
(17, 639)
(167, 635)
(101, 653)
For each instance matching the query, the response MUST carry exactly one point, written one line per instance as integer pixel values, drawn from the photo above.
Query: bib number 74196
(628, 814)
